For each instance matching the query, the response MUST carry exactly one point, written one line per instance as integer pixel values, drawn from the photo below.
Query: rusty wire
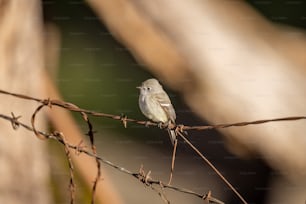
(125, 119)
(145, 178)
(70, 165)
(141, 175)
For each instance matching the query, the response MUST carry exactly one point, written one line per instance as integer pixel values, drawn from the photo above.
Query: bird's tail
(172, 136)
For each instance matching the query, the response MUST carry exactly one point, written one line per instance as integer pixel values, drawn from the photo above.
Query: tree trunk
(23, 160)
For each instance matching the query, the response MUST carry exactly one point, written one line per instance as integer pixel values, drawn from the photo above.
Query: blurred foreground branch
(230, 64)
(24, 165)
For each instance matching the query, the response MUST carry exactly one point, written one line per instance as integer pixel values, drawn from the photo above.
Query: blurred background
(94, 67)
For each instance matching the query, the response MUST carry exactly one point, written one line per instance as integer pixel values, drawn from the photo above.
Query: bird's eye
(149, 88)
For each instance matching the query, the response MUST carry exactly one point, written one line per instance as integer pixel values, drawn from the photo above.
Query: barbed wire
(70, 165)
(125, 119)
(143, 177)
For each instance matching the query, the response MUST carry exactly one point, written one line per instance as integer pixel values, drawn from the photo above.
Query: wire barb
(144, 177)
(79, 147)
(123, 118)
(14, 123)
(47, 102)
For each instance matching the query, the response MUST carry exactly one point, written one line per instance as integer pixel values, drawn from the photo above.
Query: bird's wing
(164, 101)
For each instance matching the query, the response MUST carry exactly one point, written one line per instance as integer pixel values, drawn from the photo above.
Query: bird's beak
(138, 87)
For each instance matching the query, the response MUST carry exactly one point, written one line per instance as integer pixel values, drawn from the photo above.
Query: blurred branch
(88, 167)
(90, 134)
(52, 45)
(149, 45)
(25, 175)
(238, 65)
(106, 193)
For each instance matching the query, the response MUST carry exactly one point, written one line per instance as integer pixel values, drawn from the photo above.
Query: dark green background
(96, 72)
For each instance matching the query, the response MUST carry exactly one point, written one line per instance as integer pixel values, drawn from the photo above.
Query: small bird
(155, 104)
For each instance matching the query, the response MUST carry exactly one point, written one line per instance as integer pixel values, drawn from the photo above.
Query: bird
(156, 105)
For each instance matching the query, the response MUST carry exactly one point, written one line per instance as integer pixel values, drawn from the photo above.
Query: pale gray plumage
(155, 104)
